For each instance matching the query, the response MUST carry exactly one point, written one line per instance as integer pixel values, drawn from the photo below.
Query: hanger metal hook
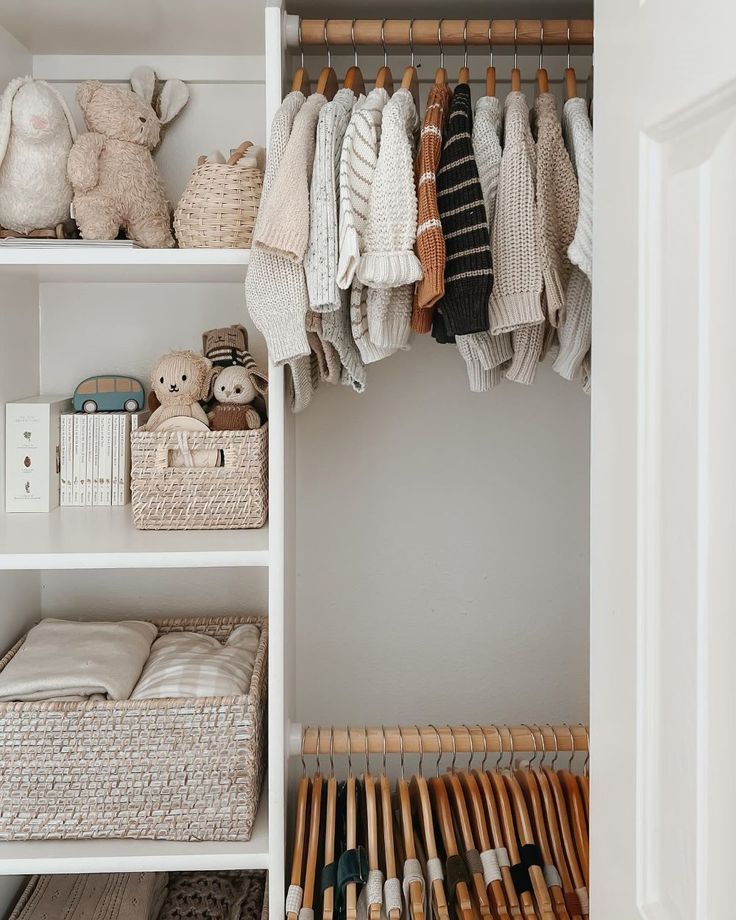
(350, 752)
(439, 42)
(511, 746)
(490, 43)
(586, 762)
(301, 43)
(516, 48)
(470, 748)
(439, 748)
(465, 43)
(401, 749)
(557, 746)
(541, 43)
(572, 746)
(411, 40)
(536, 749)
(544, 746)
(332, 750)
(500, 747)
(367, 753)
(485, 745)
(420, 743)
(316, 753)
(352, 39)
(304, 763)
(383, 732)
(327, 44)
(454, 748)
(383, 44)
(568, 44)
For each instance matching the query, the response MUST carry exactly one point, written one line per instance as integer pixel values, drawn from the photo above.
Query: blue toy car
(109, 394)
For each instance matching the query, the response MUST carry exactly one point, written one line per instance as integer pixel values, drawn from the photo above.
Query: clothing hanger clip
(490, 70)
(516, 73)
(464, 75)
(327, 85)
(542, 78)
(571, 82)
(354, 76)
(440, 76)
(384, 78)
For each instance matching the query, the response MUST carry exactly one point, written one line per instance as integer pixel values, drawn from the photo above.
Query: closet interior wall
(442, 535)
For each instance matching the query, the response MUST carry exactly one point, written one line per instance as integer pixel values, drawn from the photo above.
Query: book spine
(80, 459)
(89, 424)
(104, 465)
(67, 458)
(130, 423)
(115, 464)
(96, 437)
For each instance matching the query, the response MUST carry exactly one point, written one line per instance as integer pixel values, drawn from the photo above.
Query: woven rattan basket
(228, 497)
(218, 207)
(171, 769)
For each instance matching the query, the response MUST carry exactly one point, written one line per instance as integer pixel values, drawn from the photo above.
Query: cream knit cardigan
(277, 296)
(483, 353)
(575, 332)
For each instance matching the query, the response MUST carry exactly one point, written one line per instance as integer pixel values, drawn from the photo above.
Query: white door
(663, 636)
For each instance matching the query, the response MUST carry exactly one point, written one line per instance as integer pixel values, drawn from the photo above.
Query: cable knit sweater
(482, 352)
(575, 332)
(276, 287)
(321, 259)
(358, 160)
(557, 204)
(273, 281)
(517, 291)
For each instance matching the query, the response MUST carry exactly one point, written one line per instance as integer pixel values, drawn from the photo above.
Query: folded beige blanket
(66, 659)
(125, 896)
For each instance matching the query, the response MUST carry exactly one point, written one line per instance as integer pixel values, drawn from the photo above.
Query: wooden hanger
(571, 81)
(384, 77)
(416, 900)
(490, 70)
(351, 889)
(482, 840)
(354, 76)
(389, 848)
(371, 811)
(440, 75)
(542, 78)
(410, 80)
(300, 81)
(443, 814)
(553, 779)
(464, 74)
(584, 781)
(315, 819)
(328, 896)
(419, 793)
(515, 73)
(300, 830)
(327, 85)
(576, 811)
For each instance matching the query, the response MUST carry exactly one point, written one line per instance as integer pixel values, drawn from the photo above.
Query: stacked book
(95, 457)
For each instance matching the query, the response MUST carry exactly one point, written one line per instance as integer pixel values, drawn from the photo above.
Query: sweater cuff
(430, 288)
(494, 350)
(349, 258)
(465, 307)
(371, 353)
(570, 358)
(283, 242)
(389, 269)
(390, 331)
(510, 311)
(527, 349)
(421, 321)
(286, 338)
(481, 380)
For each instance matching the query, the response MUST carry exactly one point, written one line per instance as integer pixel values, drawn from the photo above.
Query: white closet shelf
(110, 263)
(27, 857)
(105, 538)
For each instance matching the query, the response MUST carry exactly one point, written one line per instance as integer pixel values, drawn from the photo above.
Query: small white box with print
(32, 453)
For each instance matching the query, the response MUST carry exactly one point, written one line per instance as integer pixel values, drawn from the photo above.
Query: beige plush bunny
(180, 380)
(115, 179)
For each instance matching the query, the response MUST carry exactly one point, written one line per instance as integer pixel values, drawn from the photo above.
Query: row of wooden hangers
(328, 83)
(522, 807)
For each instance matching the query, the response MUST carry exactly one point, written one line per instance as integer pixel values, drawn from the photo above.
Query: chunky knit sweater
(358, 160)
(276, 288)
(271, 279)
(517, 290)
(320, 262)
(468, 269)
(430, 241)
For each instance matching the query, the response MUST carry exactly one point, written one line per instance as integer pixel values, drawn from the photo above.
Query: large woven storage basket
(228, 497)
(170, 769)
(218, 207)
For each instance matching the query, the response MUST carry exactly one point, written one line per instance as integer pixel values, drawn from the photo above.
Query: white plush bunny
(36, 134)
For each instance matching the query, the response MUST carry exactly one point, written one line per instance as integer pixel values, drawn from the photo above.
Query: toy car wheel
(89, 405)
(131, 405)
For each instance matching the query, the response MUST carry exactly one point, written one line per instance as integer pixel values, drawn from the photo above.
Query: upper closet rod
(453, 738)
(425, 31)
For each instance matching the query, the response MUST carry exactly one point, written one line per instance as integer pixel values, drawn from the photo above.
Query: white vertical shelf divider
(277, 698)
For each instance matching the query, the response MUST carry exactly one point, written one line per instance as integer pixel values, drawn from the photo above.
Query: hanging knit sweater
(557, 204)
(320, 261)
(430, 241)
(468, 271)
(389, 266)
(517, 291)
(482, 352)
(575, 333)
(276, 287)
(358, 160)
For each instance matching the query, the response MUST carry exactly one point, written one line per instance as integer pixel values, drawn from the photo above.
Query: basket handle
(236, 155)
(201, 160)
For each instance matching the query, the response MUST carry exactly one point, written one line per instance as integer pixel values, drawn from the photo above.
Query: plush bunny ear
(64, 106)
(257, 376)
(174, 96)
(208, 387)
(143, 83)
(85, 92)
(6, 112)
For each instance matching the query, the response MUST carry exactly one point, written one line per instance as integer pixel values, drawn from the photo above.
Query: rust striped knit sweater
(430, 244)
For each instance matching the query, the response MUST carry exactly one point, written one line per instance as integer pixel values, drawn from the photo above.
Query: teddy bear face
(234, 386)
(119, 113)
(37, 113)
(180, 378)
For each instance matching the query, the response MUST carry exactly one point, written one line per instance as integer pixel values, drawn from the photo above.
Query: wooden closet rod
(424, 32)
(337, 739)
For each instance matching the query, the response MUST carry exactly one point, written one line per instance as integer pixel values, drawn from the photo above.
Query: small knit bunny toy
(180, 380)
(235, 389)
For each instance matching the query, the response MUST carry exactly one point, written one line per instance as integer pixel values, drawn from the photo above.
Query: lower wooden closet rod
(459, 738)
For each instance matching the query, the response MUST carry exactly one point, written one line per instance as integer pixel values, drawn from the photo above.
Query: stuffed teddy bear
(235, 389)
(180, 380)
(36, 134)
(116, 182)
